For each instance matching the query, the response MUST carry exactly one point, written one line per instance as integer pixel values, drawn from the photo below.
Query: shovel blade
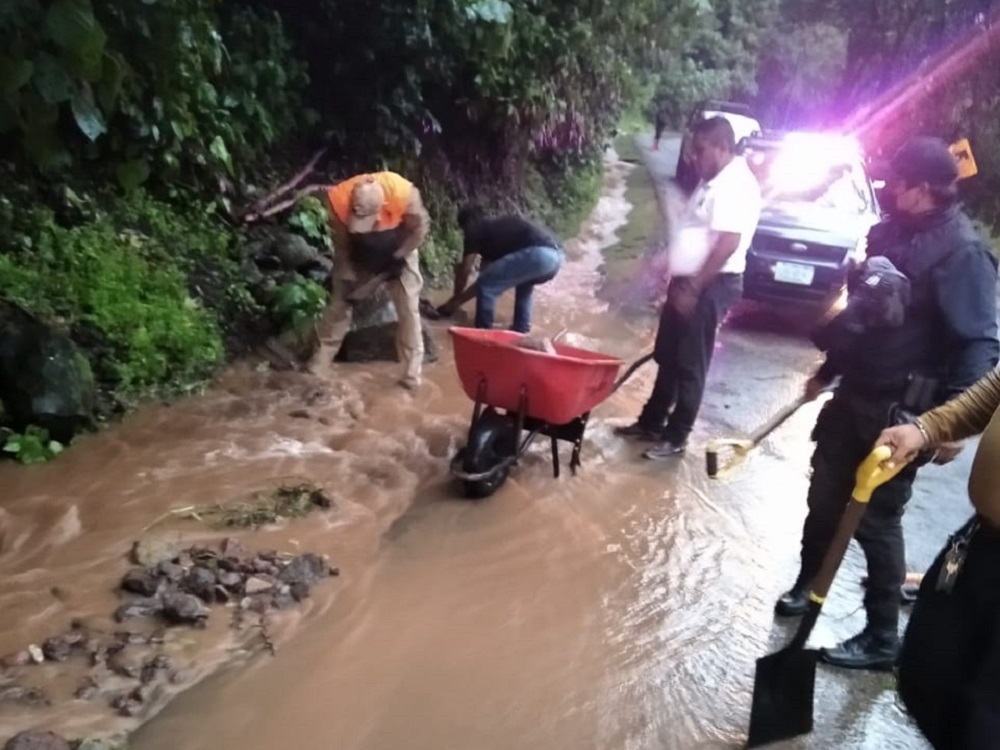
(783, 696)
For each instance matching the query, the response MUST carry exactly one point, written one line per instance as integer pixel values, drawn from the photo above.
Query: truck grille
(780, 248)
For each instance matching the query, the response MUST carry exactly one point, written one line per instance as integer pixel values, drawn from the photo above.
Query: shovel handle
(776, 421)
(873, 472)
(743, 446)
(367, 288)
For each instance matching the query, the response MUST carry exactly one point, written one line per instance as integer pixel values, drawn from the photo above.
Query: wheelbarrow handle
(631, 371)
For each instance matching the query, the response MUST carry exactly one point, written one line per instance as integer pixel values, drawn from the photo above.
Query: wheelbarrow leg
(574, 462)
(480, 397)
(522, 411)
(555, 456)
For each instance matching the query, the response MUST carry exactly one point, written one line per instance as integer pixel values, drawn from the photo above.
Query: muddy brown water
(622, 608)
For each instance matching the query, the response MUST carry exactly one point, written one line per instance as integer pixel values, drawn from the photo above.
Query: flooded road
(622, 608)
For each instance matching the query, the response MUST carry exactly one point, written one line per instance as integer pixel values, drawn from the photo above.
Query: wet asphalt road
(764, 357)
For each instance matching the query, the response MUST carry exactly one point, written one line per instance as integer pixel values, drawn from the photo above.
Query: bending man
(377, 222)
(516, 254)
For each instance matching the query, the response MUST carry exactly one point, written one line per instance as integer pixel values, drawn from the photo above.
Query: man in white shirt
(707, 267)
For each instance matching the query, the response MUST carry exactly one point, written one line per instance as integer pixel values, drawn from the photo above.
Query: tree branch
(255, 216)
(298, 177)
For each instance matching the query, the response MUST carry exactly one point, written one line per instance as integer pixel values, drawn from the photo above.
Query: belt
(868, 389)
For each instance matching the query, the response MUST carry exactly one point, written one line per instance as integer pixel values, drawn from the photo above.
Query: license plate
(794, 273)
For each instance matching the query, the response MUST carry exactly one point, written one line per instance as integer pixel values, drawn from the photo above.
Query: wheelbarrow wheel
(482, 488)
(491, 446)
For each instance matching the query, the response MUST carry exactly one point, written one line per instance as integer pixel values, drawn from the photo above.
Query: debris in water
(18, 659)
(34, 740)
(177, 587)
(32, 697)
(257, 510)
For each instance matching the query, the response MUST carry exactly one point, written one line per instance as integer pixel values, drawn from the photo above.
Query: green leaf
(71, 25)
(219, 151)
(14, 73)
(88, 117)
(51, 79)
(110, 85)
(491, 11)
(132, 173)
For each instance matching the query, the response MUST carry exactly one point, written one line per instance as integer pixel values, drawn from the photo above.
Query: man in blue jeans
(516, 254)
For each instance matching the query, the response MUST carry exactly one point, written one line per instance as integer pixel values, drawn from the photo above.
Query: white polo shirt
(729, 202)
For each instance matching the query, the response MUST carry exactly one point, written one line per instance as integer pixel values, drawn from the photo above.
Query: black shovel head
(783, 696)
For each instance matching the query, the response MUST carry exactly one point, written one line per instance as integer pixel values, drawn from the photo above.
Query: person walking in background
(718, 223)
(660, 124)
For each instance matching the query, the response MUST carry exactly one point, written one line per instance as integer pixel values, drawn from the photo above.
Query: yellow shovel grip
(874, 472)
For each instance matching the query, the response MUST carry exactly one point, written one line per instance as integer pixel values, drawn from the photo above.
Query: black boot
(872, 648)
(793, 603)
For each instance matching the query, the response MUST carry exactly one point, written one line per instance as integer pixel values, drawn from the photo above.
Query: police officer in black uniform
(919, 328)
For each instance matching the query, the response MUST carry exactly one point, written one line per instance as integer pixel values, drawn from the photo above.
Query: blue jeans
(521, 270)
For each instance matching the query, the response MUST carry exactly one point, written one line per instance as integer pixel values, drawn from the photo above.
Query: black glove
(394, 267)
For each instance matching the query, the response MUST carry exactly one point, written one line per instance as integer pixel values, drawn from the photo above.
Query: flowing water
(622, 608)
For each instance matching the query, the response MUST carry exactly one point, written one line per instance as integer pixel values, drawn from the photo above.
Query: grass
(627, 149)
(259, 509)
(643, 220)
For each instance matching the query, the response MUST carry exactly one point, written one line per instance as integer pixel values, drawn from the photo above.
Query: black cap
(924, 159)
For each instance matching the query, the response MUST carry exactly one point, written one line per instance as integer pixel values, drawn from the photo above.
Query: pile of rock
(179, 585)
(169, 586)
(36, 740)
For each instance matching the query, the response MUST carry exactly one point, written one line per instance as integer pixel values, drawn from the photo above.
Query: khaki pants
(335, 322)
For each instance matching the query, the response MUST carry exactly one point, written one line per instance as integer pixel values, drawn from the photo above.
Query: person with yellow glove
(949, 663)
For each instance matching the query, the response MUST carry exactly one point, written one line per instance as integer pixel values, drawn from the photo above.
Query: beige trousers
(335, 321)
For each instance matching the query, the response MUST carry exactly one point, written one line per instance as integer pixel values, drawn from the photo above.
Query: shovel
(784, 681)
(741, 447)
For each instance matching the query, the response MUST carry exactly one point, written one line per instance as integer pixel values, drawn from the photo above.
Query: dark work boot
(793, 603)
(639, 431)
(874, 649)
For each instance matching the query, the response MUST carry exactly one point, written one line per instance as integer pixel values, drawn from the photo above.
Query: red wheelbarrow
(518, 390)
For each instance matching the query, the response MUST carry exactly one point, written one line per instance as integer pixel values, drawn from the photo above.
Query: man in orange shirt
(377, 222)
